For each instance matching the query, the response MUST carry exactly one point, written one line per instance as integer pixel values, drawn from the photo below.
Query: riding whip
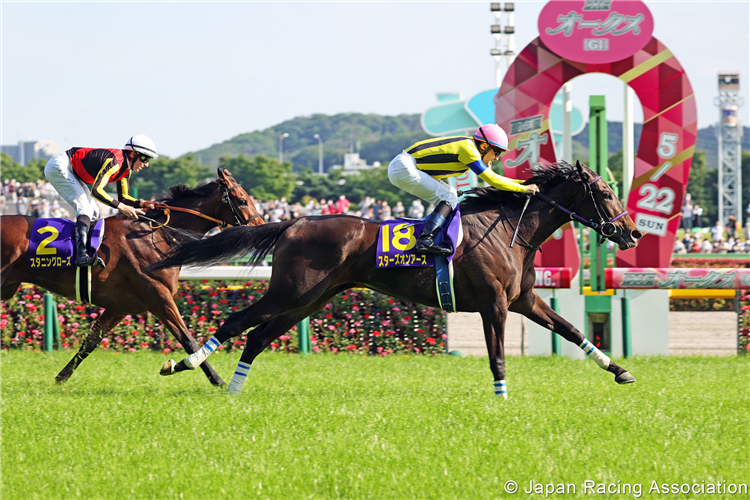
(518, 225)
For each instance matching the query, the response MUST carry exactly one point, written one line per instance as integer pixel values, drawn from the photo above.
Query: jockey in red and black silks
(74, 170)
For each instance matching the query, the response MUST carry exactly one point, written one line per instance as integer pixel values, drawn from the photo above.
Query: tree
(165, 172)
(312, 185)
(11, 169)
(703, 187)
(375, 183)
(263, 177)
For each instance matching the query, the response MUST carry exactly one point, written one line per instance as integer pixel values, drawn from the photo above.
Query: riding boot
(426, 241)
(83, 259)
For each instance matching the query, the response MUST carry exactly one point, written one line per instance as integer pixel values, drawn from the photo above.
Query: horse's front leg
(493, 321)
(534, 308)
(103, 324)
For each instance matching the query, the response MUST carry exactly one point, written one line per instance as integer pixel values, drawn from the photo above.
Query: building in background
(26, 151)
(354, 164)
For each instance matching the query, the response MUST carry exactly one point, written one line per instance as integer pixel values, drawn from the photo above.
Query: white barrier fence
(224, 272)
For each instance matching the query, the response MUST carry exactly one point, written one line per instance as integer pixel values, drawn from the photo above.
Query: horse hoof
(168, 368)
(624, 378)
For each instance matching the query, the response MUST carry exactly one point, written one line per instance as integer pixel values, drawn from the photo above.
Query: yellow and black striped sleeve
(123, 192)
(109, 168)
(501, 182)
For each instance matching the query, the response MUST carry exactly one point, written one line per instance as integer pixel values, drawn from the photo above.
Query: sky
(190, 74)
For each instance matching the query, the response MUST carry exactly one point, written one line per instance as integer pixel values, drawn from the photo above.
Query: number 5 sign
(670, 124)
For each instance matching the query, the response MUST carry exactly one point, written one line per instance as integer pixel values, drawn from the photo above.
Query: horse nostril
(637, 235)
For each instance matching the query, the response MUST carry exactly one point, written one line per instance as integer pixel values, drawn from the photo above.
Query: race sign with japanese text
(595, 31)
(680, 278)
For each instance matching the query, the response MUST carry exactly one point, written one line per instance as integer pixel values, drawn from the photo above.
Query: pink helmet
(493, 134)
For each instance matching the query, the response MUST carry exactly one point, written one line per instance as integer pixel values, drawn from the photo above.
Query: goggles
(144, 158)
(497, 150)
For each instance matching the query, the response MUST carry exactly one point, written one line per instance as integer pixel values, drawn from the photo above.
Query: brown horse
(317, 257)
(127, 285)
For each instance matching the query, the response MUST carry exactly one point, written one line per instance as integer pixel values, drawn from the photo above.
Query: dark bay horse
(315, 258)
(127, 285)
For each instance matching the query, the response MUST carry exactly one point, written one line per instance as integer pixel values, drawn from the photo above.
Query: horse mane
(181, 191)
(544, 176)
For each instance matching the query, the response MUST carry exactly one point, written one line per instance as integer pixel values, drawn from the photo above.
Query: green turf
(352, 427)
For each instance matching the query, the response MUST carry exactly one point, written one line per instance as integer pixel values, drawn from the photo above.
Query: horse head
(238, 207)
(587, 198)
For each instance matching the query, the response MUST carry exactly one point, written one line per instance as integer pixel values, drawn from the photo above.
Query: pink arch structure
(665, 152)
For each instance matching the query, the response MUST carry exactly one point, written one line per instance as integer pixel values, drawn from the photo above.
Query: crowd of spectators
(720, 238)
(369, 208)
(38, 199)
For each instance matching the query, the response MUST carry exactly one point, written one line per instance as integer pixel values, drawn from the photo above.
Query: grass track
(352, 427)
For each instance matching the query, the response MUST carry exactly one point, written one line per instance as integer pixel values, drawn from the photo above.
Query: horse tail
(229, 244)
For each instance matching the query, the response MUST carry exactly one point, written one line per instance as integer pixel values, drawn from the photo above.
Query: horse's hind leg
(534, 308)
(233, 326)
(273, 303)
(261, 337)
(103, 324)
(169, 315)
(8, 291)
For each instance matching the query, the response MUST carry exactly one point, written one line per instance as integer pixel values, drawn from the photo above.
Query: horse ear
(579, 166)
(223, 173)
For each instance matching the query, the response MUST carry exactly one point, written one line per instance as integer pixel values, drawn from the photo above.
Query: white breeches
(59, 172)
(403, 172)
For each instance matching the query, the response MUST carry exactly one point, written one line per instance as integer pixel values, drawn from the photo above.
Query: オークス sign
(670, 123)
(595, 31)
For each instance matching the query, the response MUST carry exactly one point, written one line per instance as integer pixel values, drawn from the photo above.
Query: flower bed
(744, 323)
(357, 321)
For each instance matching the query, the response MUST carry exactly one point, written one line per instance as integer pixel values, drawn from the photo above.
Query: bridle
(606, 229)
(238, 218)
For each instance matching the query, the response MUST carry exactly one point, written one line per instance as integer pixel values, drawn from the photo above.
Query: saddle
(52, 243)
(397, 240)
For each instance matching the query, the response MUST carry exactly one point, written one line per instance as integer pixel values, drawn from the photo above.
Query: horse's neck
(548, 219)
(192, 222)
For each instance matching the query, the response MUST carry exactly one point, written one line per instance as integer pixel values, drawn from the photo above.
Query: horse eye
(242, 203)
(607, 196)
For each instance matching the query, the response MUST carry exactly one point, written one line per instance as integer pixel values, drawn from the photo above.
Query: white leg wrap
(590, 349)
(195, 359)
(238, 379)
(501, 389)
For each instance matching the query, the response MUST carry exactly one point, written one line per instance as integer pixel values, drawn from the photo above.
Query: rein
(238, 218)
(605, 228)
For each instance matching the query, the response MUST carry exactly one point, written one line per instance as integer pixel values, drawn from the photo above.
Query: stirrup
(429, 246)
(87, 262)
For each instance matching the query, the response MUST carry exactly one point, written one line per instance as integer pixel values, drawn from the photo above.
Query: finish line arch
(664, 154)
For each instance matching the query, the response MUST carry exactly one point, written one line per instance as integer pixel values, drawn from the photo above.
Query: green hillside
(380, 138)
(376, 137)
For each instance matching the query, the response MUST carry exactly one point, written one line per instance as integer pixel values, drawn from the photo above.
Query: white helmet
(142, 144)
